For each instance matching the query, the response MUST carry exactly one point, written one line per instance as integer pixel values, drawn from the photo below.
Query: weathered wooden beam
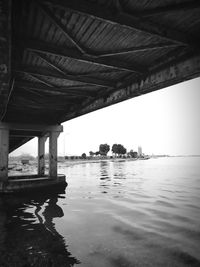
(26, 108)
(47, 12)
(40, 74)
(32, 75)
(64, 94)
(63, 90)
(4, 149)
(45, 103)
(138, 49)
(31, 127)
(7, 100)
(73, 77)
(176, 73)
(20, 143)
(132, 22)
(86, 87)
(177, 7)
(5, 53)
(107, 63)
(166, 60)
(40, 117)
(22, 135)
(83, 50)
(47, 93)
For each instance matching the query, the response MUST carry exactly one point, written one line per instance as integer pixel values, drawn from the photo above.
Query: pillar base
(30, 183)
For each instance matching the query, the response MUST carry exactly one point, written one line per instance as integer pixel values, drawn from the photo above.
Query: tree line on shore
(118, 151)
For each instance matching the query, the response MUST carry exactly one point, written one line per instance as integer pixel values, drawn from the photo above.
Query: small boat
(25, 161)
(18, 169)
(144, 158)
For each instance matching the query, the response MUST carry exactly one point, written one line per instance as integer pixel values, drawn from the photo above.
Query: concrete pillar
(4, 151)
(53, 154)
(41, 155)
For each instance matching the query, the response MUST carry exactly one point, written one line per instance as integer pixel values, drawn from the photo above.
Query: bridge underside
(62, 59)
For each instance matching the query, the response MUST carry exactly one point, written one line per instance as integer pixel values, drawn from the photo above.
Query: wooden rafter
(111, 63)
(93, 54)
(29, 106)
(73, 77)
(47, 92)
(65, 91)
(6, 83)
(173, 57)
(85, 88)
(144, 48)
(84, 51)
(25, 101)
(185, 6)
(40, 74)
(171, 75)
(20, 143)
(133, 22)
(47, 12)
(8, 99)
(34, 77)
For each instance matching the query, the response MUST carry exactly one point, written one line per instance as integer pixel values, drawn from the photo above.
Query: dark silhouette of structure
(62, 59)
(30, 238)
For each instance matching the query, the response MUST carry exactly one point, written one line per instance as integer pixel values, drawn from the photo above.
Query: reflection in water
(112, 176)
(148, 217)
(28, 234)
(120, 169)
(104, 176)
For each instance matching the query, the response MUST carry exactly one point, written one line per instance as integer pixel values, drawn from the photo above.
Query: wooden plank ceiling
(62, 59)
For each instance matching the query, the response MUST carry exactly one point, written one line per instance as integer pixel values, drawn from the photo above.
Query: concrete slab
(31, 183)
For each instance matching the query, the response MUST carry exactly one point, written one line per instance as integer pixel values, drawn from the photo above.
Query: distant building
(139, 151)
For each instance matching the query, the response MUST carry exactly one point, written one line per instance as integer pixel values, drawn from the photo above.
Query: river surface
(112, 214)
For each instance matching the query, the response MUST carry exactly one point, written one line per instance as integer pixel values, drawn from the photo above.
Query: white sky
(162, 122)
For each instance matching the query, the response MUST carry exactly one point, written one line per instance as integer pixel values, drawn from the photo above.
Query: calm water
(120, 213)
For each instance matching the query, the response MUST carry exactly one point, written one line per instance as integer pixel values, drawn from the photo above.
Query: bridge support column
(53, 154)
(41, 155)
(4, 150)
(32, 182)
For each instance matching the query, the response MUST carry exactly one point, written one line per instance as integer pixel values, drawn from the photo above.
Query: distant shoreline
(16, 167)
(82, 161)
